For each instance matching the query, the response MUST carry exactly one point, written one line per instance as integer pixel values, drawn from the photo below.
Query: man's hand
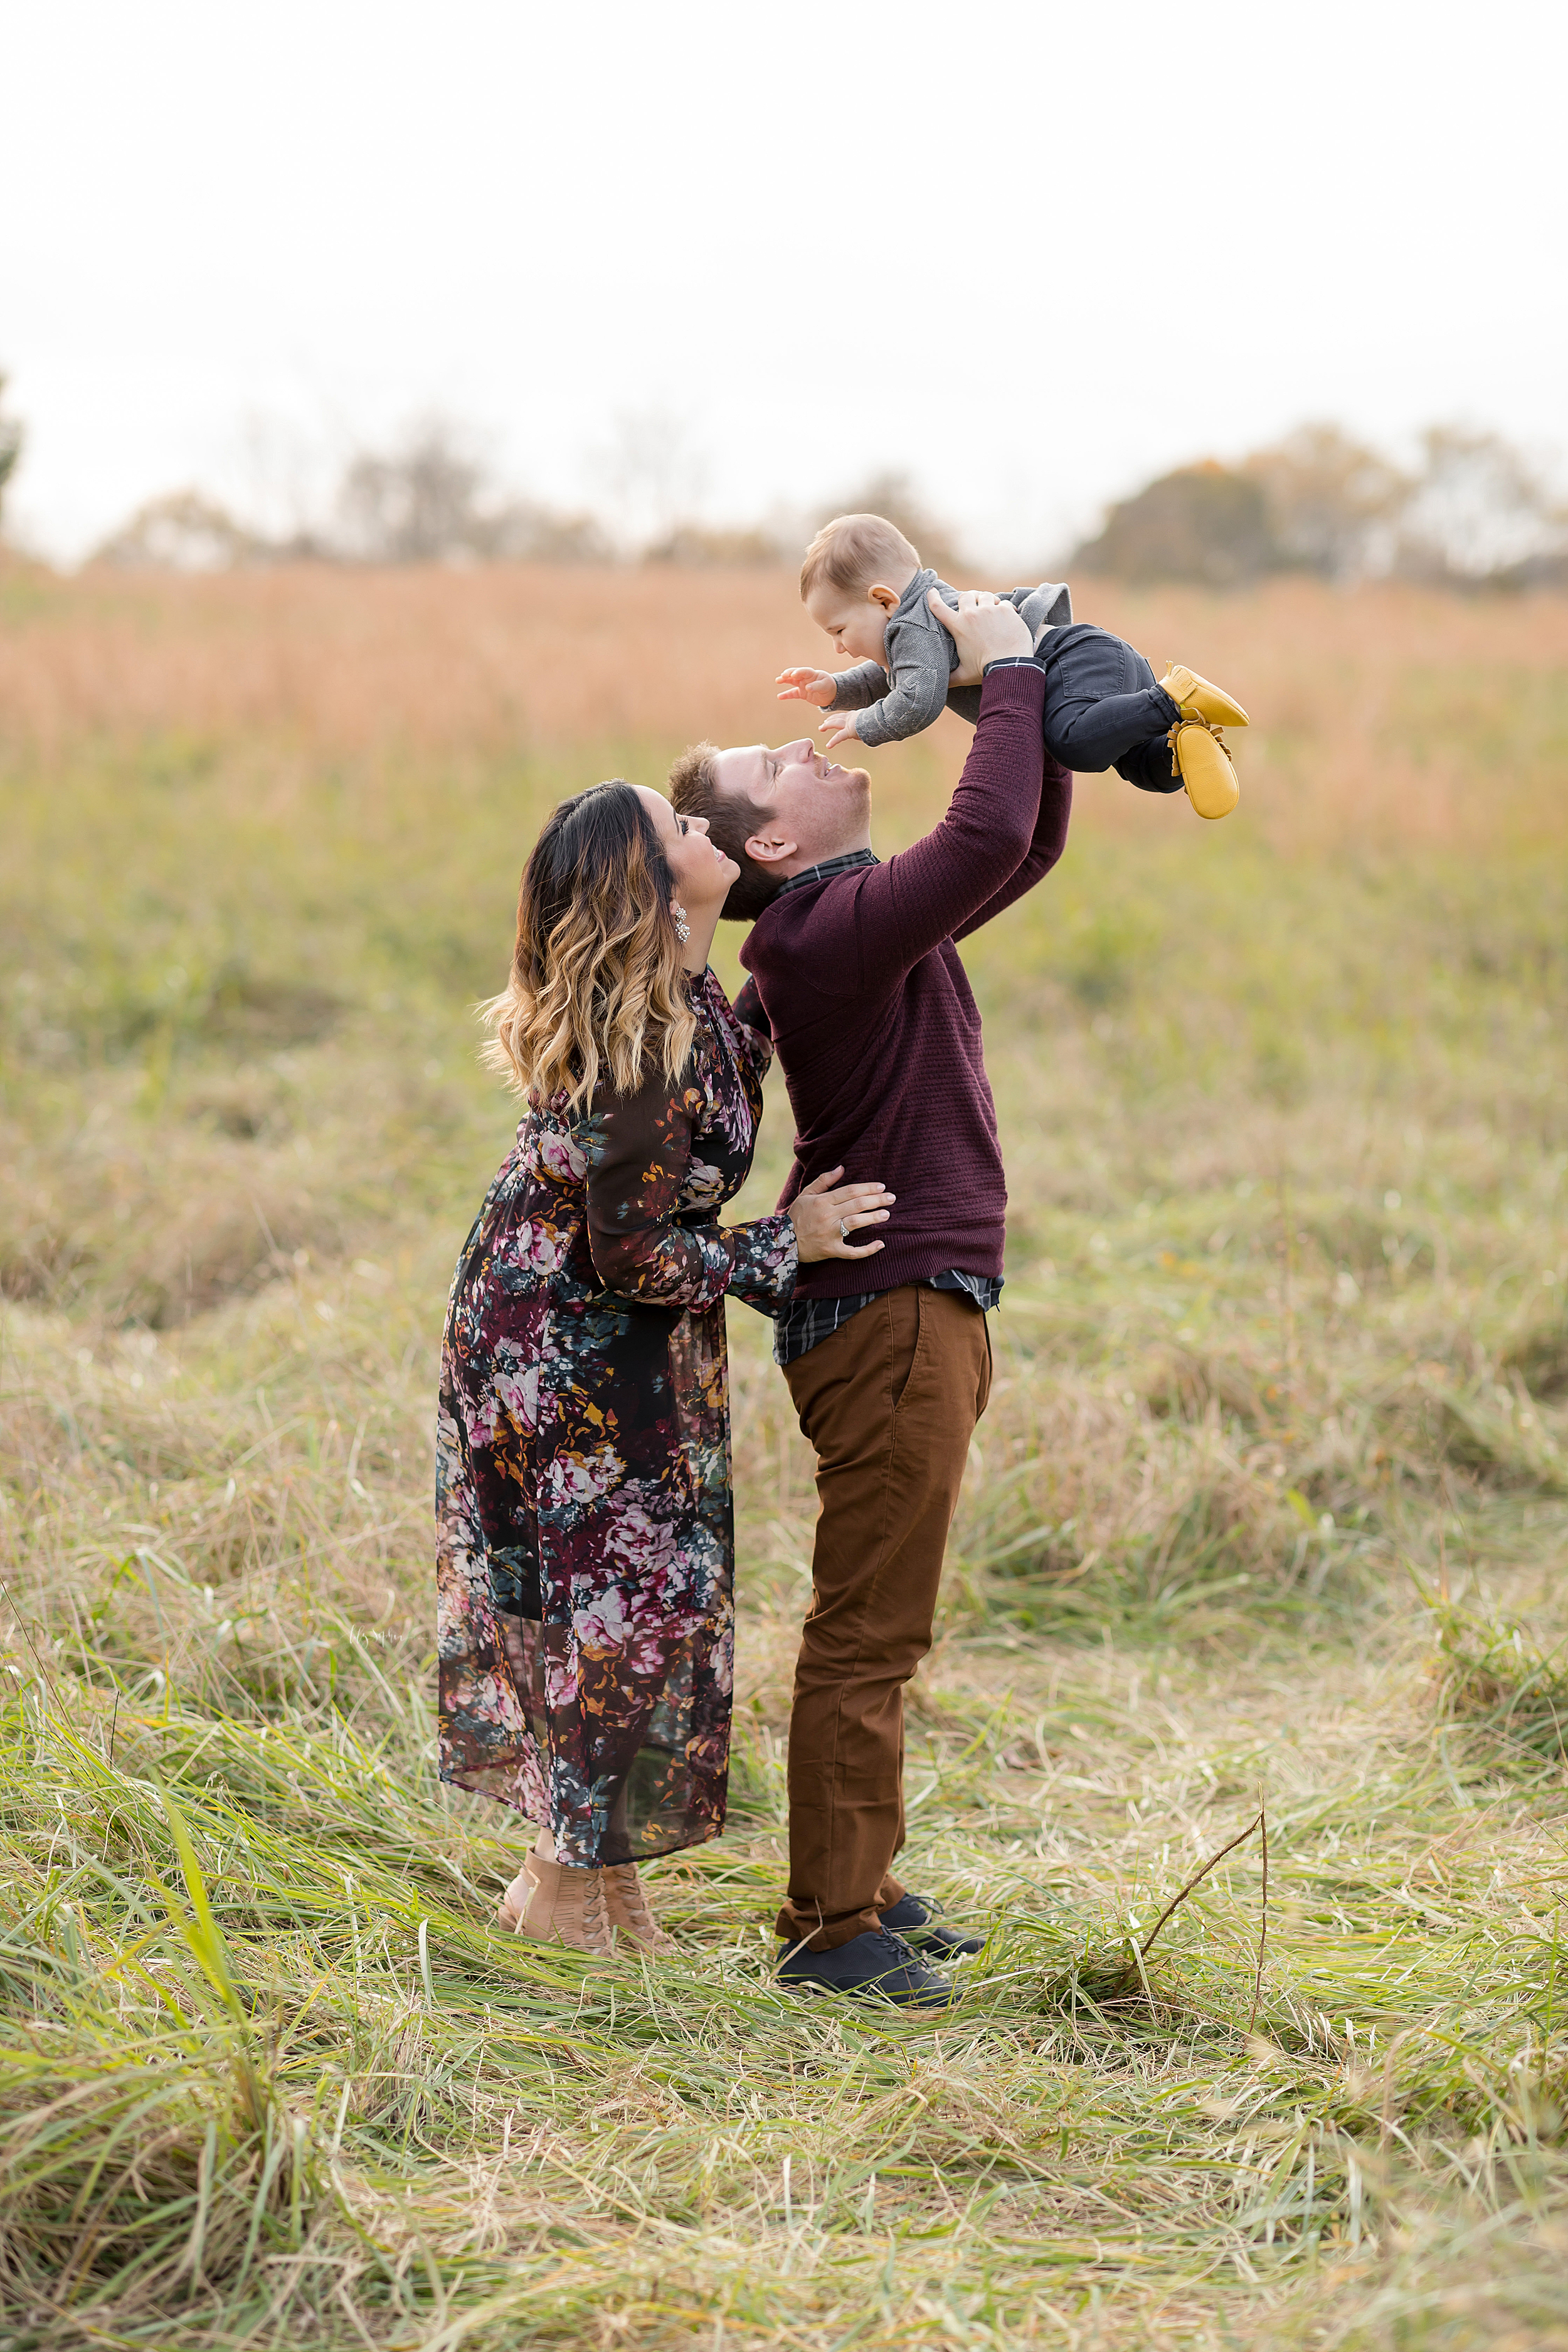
(984, 628)
(814, 685)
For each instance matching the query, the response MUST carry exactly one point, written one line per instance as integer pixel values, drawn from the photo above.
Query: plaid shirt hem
(809, 1321)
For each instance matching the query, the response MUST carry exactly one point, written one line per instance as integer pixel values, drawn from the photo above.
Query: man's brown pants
(890, 1402)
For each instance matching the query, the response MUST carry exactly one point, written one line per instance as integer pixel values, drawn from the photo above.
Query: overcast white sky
(1032, 252)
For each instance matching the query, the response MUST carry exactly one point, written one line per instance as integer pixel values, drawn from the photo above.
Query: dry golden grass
(1272, 1496)
(347, 663)
(1391, 714)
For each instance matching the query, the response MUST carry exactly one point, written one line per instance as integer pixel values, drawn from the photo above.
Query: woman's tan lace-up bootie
(557, 1904)
(628, 1908)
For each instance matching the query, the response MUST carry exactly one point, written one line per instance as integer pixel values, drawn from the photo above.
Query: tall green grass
(1271, 1502)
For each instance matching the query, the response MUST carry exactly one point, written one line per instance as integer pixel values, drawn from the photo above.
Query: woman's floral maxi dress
(586, 1541)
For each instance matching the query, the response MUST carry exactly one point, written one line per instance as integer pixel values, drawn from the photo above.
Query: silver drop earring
(682, 928)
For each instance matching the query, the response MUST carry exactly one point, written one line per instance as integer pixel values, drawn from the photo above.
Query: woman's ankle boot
(555, 1904)
(627, 1905)
(513, 1902)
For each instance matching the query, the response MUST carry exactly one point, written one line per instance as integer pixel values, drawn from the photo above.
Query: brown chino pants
(889, 1403)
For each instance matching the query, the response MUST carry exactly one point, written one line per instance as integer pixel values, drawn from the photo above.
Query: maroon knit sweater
(873, 1017)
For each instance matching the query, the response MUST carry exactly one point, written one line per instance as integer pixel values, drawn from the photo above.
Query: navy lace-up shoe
(917, 1918)
(875, 1965)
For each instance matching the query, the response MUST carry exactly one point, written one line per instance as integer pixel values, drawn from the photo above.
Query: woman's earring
(682, 928)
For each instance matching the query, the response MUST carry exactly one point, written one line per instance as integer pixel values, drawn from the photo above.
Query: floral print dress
(585, 1529)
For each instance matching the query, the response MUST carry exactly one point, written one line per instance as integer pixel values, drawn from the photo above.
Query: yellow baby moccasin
(1199, 699)
(1204, 766)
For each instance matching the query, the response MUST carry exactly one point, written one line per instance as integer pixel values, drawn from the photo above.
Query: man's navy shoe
(875, 1965)
(914, 1917)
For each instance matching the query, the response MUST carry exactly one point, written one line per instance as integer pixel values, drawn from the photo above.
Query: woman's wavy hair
(597, 986)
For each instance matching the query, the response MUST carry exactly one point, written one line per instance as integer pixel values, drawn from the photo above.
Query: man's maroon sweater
(873, 1019)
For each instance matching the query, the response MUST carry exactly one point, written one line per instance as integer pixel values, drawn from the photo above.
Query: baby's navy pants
(1103, 709)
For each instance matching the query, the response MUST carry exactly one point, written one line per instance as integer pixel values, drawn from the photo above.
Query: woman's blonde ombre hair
(597, 986)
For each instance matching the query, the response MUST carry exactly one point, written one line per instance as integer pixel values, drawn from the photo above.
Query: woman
(586, 1544)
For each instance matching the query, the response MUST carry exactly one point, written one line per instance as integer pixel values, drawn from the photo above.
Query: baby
(864, 585)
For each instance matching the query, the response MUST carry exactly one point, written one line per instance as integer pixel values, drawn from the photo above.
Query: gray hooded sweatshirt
(904, 698)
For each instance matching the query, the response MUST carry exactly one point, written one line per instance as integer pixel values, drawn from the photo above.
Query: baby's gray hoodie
(905, 698)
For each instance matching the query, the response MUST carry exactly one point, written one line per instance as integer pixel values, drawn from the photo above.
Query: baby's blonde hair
(854, 551)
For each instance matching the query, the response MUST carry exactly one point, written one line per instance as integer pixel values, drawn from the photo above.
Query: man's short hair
(732, 818)
(854, 551)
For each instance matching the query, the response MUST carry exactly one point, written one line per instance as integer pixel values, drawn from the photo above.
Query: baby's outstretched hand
(843, 728)
(814, 685)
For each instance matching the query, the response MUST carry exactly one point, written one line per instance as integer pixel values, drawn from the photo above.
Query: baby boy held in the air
(864, 585)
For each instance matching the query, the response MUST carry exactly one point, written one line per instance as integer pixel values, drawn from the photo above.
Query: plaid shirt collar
(828, 869)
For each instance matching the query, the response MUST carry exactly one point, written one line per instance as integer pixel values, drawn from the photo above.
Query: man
(855, 970)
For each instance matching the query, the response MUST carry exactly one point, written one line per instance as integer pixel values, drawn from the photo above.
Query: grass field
(1269, 1508)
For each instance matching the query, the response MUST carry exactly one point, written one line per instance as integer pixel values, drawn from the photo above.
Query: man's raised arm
(1046, 845)
(925, 894)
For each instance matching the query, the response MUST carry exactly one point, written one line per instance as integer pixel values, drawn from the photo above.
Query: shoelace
(634, 1902)
(595, 1919)
(1209, 728)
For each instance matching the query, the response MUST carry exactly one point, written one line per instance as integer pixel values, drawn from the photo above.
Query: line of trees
(1472, 512)
(431, 497)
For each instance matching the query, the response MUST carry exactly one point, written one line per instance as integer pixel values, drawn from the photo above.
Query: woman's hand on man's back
(823, 1217)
